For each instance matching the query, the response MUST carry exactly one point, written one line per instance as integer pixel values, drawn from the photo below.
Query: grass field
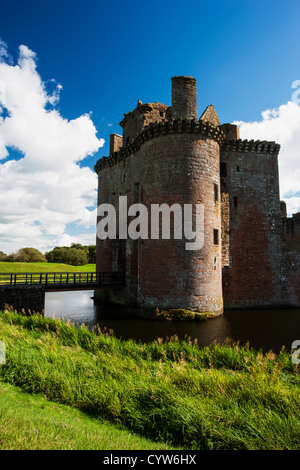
(31, 422)
(10, 267)
(169, 392)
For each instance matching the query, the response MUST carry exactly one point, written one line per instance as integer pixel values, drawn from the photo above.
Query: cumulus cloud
(281, 125)
(45, 190)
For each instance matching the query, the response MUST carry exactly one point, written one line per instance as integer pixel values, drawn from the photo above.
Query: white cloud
(46, 189)
(281, 125)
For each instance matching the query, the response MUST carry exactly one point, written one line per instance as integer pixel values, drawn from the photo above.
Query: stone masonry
(166, 155)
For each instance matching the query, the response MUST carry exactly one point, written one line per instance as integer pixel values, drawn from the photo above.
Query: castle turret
(184, 98)
(172, 164)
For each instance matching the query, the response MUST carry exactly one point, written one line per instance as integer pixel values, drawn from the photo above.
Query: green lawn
(31, 422)
(10, 267)
(173, 392)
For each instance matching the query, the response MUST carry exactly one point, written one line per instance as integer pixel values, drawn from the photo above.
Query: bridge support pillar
(27, 298)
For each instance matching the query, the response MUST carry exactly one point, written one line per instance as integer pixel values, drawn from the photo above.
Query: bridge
(64, 281)
(27, 290)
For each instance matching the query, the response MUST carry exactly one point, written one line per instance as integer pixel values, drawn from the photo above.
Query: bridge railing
(54, 280)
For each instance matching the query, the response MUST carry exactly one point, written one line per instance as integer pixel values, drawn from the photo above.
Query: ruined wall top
(144, 114)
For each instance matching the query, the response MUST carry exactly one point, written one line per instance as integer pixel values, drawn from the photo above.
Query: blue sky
(107, 55)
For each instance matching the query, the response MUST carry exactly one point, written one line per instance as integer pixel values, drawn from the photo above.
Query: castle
(251, 252)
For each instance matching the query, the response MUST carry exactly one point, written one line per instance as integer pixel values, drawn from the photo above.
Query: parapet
(203, 129)
(262, 147)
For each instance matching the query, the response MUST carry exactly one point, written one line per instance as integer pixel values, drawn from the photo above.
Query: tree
(90, 251)
(78, 246)
(67, 255)
(27, 255)
(77, 257)
(57, 255)
(92, 254)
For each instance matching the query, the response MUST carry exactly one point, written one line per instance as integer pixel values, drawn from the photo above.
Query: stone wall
(116, 142)
(169, 274)
(254, 274)
(291, 259)
(225, 229)
(23, 298)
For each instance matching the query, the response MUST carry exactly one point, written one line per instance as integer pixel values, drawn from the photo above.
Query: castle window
(235, 201)
(127, 140)
(238, 168)
(216, 191)
(216, 237)
(161, 113)
(223, 169)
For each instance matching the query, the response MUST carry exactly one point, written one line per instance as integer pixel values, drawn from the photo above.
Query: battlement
(251, 146)
(204, 129)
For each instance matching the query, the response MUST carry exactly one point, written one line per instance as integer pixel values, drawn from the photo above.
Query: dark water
(263, 329)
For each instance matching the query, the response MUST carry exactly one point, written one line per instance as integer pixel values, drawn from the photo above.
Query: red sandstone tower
(167, 157)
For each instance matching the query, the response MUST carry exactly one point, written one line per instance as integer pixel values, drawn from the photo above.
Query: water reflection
(266, 329)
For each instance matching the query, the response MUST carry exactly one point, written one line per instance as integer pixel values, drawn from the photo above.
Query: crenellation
(152, 130)
(251, 146)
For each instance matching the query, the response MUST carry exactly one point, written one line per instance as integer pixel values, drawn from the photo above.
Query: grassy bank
(31, 422)
(219, 397)
(10, 267)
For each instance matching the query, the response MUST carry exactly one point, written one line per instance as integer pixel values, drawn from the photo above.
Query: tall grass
(218, 397)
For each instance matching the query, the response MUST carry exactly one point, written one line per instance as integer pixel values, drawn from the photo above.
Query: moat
(265, 329)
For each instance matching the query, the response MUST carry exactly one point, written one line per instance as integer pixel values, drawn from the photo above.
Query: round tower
(184, 97)
(181, 165)
(171, 164)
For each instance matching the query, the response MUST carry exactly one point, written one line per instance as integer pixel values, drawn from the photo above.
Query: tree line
(75, 255)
